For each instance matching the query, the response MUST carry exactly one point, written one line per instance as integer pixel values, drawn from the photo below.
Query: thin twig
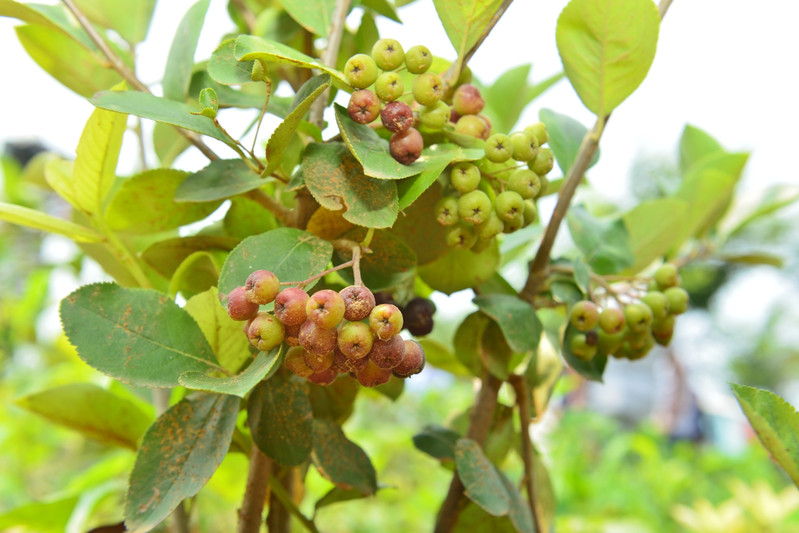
(285, 499)
(268, 83)
(281, 212)
(329, 57)
(522, 401)
(252, 506)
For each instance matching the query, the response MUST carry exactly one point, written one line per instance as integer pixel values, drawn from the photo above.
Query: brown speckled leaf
(482, 483)
(390, 262)
(340, 460)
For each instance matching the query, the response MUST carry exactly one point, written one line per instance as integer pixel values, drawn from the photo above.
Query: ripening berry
(358, 302)
(345, 364)
(663, 329)
(389, 86)
(355, 339)
(325, 308)
(467, 100)
(360, 71)
(295, 362)
(609, 343)
(678, 300)
(667, 276)
(317, 340)
(262, 286)
(580, 347)
(388, 353)
(372, 375)
(386, 321)
(427, 88)
(388, 54)
(473, 126)
(406, 147)
(325, 377)
(418, 59)
(465, 177)
(265, 332)
(318, 361)
(413, 362)
(584, 315)
(239, 307)
(290, 306)
(397, 117)
(364, 106)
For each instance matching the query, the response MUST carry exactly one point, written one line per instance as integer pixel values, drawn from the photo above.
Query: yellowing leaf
(96, 159)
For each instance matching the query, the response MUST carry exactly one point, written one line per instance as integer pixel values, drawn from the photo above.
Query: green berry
(446, 211)
(609, 343)
(584, 315)
(498, 148)
(461, 236)
(465, 177)
(418, 59)
(509, 205)
(539, 131)
(530, 212)
(580, 347)
(465, 76)
(658, 303)
(389, 86)
(638, 317)
(543, 161)
(523, 146)
(667, 276)
(427, 89)
(388, 54)
(663, 329)
(611, 320)
(435, 116)
(490, 228)
(678, 300)
(514, 225)
(360, 71)
(525, 182)
(544, 185)
(474, 207)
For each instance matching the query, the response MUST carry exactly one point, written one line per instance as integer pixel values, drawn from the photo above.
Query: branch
(249, 17)
(285, 499)
(329, 57)
(281, 212)
(522, 400)
(128, 74)
(252, 507)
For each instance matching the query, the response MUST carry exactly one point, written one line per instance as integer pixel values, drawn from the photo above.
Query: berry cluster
(630, 333)
(329, 332)
(490, 196)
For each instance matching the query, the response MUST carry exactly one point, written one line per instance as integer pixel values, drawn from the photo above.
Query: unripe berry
(325, 377)
(498, 148)
(261, 286)
(360, 71)
(461, 236)
(658, 303)
(584, 315)
(364, 106)
(418, 316)
(413, 362)
(418, 59)
(530, 212)
(609, 343)
(525, 182)
(372, 375)
(663, 329)
(474, 207)
(509, 226)
(489, 228)
(473, 126)
(406, 147)
(638, 317)
(358, 302)
(427, 88)
(667, 276)
(543, 161)
(325, 308)
(580, 347)
(295, 362)
(355, 339)
(611, 320)
(678, 300)
(397, 116)
(446, 211)
(465, 177)
(318, 361)
(388, 353)
(265, 332)
(386, 321)
(435, 116)
(538, 131)
(544, 184)
(290, 306)
(389, 86)
(467, 100)
(317, 340)
(523, 146)
(238, 306)
(388, 54)
(509, 205)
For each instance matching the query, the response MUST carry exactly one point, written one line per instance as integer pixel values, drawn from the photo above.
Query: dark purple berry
(406, 147)
(413, 362)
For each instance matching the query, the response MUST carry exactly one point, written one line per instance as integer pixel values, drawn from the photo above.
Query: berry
(265, 332)
(389, 86)
(418, 59)
(446, 211)
(467, 100)
(418, 316)
(358, 302)
(465, 177)
(474, 207)
(386, 321)
(663, 329)
(388, 54)
(384, 297)
(435, 116)
(295, 362)
(498, 148)
(461, 237)
(609, 343)
(667, 276)
(317, 340)
(523, 146)
(509, 205)
(658, 303)
(261, 286)
(413, 362)
(325, 308)
(427, 88)
(678, 300)
(388, 353)
(465, 75)
(544, 184)
(581, 348)
(530, 212)
(543, 161)
(360, 71)
(473, 126)
(638, 317)
(584, 315)
(290, 306)
(238, 306)
(397, 117)
(490, 228)
(325, 377)
(364, 106)
(372, 375)
(525, 182)
(513, 225)
(406, 147)
(292, 334)
(355, 339)
(345, 365)
(538, 131)
(318, 361)
(611, 321)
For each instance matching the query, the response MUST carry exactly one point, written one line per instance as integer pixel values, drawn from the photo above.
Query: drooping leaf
(436, 441)
(482, 484)
(31, 218)
(519, 511)
(166, 256)
(371, 150)
(130, 20)
(58, 173)
(53, 17)
(605, 245)
(495, 354)
(468, 341)
(516, 318)
(91, 410)
(224, 68)
(654, 226)
(465, 20)
(291, 254)
(221, 179)
(436, 158)
(389, 264)
(313, 15)
(145, 203)
(696, 144)
(776, 423)
(340, 460)
(565, 137)
(591, 369)
(460, 269)
(328, 224)
(168, 143)
(541, 375)
(607, 48)
(757, 205)
(707, 195)
(417, 227)
(180, 60)
(337, 495)
(383, 7)
(138, 336)
(178, 455)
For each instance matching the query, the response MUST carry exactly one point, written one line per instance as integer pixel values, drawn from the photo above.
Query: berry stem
(268, 83)
(367, 240)
(522, 401)
(252, 506)
(356, 265)
(301, 284)
(240, 148)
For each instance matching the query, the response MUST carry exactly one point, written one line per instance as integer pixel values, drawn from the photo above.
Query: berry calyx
(261, 287)
(584, 315)
(446, 211)
(388, 54)
(360, 71)
(418, 59)
(498, 148)
(239, 307)
(461, 236)
(397, 117)
(364, 106)
(406, 147)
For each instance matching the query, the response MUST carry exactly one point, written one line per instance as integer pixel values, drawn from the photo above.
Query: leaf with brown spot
(418, 228)
(179, 454)
(327, 224)
(220, 179)
(482, 483)
(238, 385)
(340, 460)
(334, 401)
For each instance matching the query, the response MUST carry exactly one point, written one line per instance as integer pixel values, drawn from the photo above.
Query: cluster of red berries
(329, 332)
(632, 332)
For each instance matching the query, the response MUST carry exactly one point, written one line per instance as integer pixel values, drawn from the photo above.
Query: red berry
(239, 307)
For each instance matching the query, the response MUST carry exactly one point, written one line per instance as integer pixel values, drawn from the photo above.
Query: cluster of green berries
(328, 332)
(496, 194)
(632, 332)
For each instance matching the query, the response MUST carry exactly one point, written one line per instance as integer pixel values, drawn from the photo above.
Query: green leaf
(313, 15)
(337, 495)
(468, 341)
(23, 216)
(519, 511)
(180, 60)
(66, 60)
(130, 20)
(340, 460)
(42, 517)
(440, 356)
(654, 227)
(159, 109)
(758, 205)
(592, 369)
(465, 20)
(195, 274)
(507, 97)
(96, 159)
(565, 137)
(58, 174)
(224, 68)
(436, 158)
(481, 481)
(335, 401)
(238, 385)
(145, 203)
(516, 318)
(417, 226)
(166, 256)
(178, 455)
(247, 217)
(607, 48)
(209, 103)
(371, 150)
(582, 276)
(53, 17)
(696, 144)
(707, 195)
(542, 373)
(168, 143)
(249, 48)
(138, 336)
(382, 7)
(94, 411)
(436, 441)
(221, 179)
(605, 245)
(776, 423)
(460, 269)
(390, 263)
(291, 254)
(279, 140)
